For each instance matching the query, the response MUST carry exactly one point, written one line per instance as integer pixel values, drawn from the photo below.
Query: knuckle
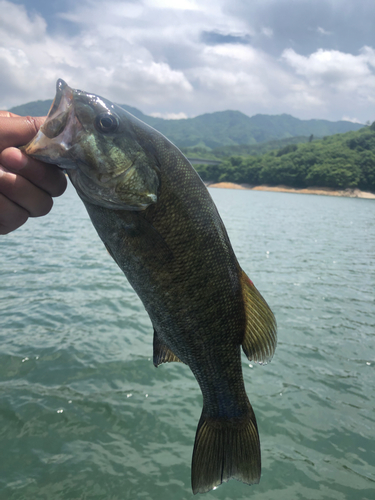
(33, 124)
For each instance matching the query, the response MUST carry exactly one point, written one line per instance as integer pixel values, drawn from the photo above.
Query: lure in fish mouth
(159, 223)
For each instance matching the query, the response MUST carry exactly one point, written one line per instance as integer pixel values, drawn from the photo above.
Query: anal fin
(162, 353)
(260, 340)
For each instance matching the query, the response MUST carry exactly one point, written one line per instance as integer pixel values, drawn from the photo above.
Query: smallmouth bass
(159, 223)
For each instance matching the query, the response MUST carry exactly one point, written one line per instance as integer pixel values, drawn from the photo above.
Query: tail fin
(224, 449)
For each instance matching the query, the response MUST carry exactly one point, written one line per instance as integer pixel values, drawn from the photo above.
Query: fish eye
(106, 123)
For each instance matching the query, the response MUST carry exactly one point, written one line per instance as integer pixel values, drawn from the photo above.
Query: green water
(85, 415)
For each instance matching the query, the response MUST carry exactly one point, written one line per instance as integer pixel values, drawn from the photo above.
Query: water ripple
(83, 412)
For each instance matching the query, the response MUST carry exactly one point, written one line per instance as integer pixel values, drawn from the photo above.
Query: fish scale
(159, 223)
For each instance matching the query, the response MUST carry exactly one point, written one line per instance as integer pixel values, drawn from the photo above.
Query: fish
(159, 223)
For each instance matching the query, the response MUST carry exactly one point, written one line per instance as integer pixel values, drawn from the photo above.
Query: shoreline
(348, 193)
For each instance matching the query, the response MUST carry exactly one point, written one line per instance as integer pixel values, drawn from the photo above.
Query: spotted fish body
(160, 225)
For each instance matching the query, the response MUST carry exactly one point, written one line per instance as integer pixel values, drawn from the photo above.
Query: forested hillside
(339, 161)
(224, 128)
(239, 143)
(243, 149)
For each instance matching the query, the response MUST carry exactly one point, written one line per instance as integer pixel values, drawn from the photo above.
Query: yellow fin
(259, 341)
(224, 449)
(162, 353)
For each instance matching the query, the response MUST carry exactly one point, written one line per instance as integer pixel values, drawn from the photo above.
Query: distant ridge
(34, 108)
(222, 128)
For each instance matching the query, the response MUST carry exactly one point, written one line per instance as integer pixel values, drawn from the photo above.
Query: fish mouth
(55, 137)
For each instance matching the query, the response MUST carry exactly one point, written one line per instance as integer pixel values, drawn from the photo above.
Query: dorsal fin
(162, 353)
(260, 340)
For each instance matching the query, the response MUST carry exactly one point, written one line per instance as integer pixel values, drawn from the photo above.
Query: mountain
(337, 161)
(35, 108)
(223, 128)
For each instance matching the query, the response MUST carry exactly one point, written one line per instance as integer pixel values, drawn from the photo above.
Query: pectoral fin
(259, 342)
(162, 353)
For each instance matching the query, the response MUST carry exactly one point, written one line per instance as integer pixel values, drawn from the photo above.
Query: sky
(182, 58)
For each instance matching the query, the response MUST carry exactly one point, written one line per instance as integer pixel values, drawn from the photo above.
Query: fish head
(98, 145)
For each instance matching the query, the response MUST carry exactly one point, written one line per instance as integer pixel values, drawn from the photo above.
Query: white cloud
(13, 57)
(238, 73)
(322, 31)
(267, 32)
(174, 4)
(151, 54)
(170, 116)
(349, 119)
(16, 22)
(335, 70)
(105, 63)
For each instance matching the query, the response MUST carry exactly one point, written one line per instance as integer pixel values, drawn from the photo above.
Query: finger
(18, 130)
(47, 177)
(25, 194)
(12, 216)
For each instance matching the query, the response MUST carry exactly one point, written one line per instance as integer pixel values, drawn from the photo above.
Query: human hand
(26, 185)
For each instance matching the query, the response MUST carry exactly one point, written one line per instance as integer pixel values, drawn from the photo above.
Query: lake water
(85, 415)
